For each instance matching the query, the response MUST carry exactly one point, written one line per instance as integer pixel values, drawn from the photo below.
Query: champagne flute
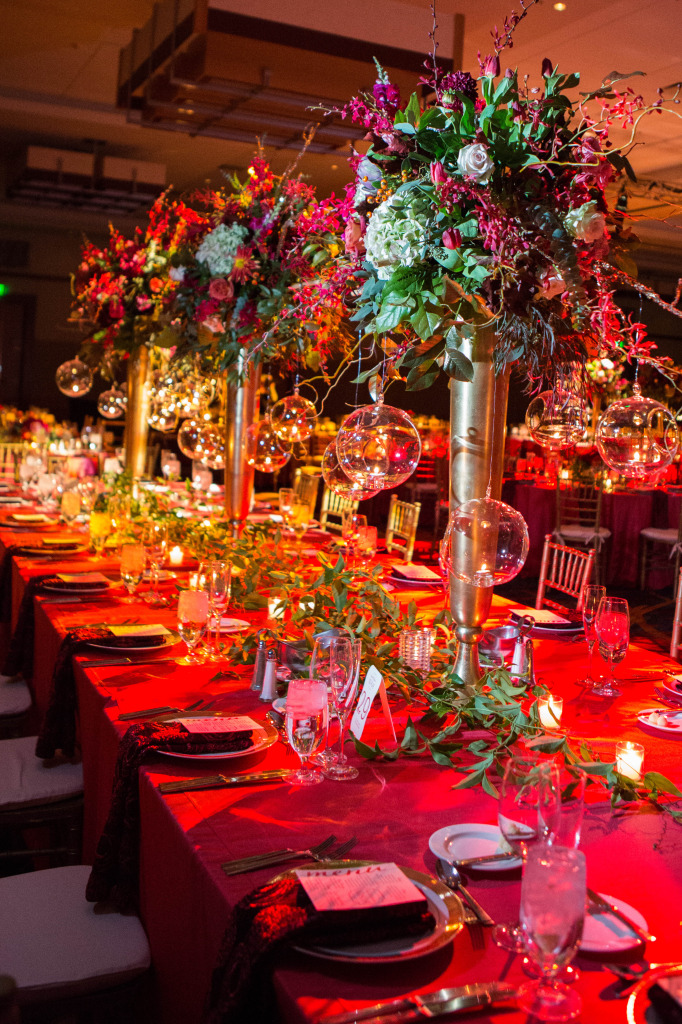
(155, 540)
(192, 621)
(552, 916)
(132, 568)
(592, 595)
(345, 676)
(286, 502)
(528, 811)
(306, 723)
(612, 626)
(219, 579)
(300, 517)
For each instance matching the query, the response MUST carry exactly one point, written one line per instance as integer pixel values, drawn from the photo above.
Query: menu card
(233, 723)
(139, 630)
(83, 577)
(358, 888)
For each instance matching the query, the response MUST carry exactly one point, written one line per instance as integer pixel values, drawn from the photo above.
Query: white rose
(474, 162)
(366, 176)
(177, 273)
(586, 222)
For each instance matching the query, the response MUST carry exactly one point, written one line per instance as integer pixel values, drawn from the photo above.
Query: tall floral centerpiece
(485, 234)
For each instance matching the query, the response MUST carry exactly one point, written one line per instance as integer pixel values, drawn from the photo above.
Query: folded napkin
(19, 657)
(114, 875)
(277, 913)
(420, 573)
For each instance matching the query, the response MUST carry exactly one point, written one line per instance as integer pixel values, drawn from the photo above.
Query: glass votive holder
(629, 758)
(277, 604)
(414, 648)
(550, 709)
(175, 556)
(366, 543)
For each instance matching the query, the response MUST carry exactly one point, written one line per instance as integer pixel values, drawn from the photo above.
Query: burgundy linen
(6, 582)
(19, 659)
(114, 876)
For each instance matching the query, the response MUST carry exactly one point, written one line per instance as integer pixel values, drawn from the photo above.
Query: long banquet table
(392, 807)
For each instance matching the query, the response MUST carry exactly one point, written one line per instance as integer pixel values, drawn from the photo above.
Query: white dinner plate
(228, 625)
(153, 643)
(673, 684)
(570, 630)
(445, 908)
(459, 842)
(264, 735)
(673, 724)
(604, 933)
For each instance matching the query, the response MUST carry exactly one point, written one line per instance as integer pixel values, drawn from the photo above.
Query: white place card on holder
(139, 630)
(372, 885)
(373, 684)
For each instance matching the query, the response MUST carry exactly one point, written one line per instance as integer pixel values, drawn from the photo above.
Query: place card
(234, 723)
(416, 572)
(373, 684)
(139, 630)
(83, 577)
(358, 888)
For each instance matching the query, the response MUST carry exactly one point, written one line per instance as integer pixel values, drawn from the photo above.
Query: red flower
(221, 289)
(244, 265)
(155, 284)
(452, 238)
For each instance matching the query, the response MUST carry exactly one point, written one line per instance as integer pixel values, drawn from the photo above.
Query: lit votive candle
(549, 710)
(175, 555)
(276, 606)
(629, 757)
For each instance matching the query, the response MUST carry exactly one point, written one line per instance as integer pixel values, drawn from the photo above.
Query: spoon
(449, 874)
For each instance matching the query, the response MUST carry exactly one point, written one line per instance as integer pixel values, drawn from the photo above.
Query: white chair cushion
(660, 536)
(577, 532)
(56, 944)
(15, 696)
(25, 779)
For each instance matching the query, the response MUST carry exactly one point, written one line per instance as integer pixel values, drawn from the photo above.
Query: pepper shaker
(259, 665)
(269, 691)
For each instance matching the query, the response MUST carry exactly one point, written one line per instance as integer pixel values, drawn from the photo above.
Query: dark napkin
(268, 918)
(6, 582)
(114, 876)
(19, 658)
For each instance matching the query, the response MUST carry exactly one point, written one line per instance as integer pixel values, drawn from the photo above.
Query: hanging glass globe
(378, 446)
(112, 404)
(337, 481)
(485, 543)
(557, 419)
(293, 418)
(74, 378)
(637, 436)
(210, 447)
(263, 448)
(163, 417)
(188, 437)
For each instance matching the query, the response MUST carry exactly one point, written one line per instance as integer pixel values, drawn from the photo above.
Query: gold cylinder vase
(240, 412)
(137, 413)
(478, 413)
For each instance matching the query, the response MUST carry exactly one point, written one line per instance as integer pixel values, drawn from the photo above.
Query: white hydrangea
(218, 248)
(396, 234)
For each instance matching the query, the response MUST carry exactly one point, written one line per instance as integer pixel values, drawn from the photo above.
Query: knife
(599, 903)
(491, 858)
(116, 662)
(430, 1004)
(213, 781)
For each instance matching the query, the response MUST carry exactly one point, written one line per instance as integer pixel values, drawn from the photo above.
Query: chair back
(676, 640)
(333, 508)
(306, 486)
(578, 505)
(567, 570)
(401, 530)
(10, 457)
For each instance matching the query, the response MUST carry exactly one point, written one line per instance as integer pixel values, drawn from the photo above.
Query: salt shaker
(269, 691)
(259, 665)
(522, 660)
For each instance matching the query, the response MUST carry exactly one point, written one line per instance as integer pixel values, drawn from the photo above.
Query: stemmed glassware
(47, 482)
(321, 668)
(192, 621)
(300, 518)
(351, 525)
(307, 716)
(155, 540)
(132, 568)
(612, 626)
(218, 584)
(552, 916)
(100, 528)
(71, 506)
(592, 595)
(286, 502)
(345, 658)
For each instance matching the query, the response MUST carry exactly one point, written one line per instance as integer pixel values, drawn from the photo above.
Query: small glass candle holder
(277, 605)
(549, 711)
(175, 555)
(629, 758)
(414, 648)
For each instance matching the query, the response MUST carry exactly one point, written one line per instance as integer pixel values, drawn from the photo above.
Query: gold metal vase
(137, 412)
(478, 412)
(240, 412)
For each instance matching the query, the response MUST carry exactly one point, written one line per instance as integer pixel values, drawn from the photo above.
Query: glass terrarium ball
(293, 418)
(188, 437)
(163, 417)
(210, 448)
(74, 378)
(112, 404)
(337, 481)
(263, 448)
(485, 543)
(637, 436)
(557, 419)
(378, 446)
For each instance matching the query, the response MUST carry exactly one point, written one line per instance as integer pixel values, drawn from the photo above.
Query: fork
(235, 867)
(475, 929)
(326, 856)
(665, 699)
(166, 710)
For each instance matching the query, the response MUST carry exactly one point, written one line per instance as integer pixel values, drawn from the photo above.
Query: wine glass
(132, 568)
(529, 806)
(321, 668)
(218, 576)
(345, 676)
(592, 595)
(351, 525)
(71, 506)
(155, 540)
(553, 894)
(306, 723)
(612, 626)
(299, 519)
(46, 486)
(192, 621)
(100, 528)
(286, 501)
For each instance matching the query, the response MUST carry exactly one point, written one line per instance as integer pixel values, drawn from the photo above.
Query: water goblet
(552, 916)
(47, 483)
(132, 568)
(321, 668)
(300, 518)
(192, 621)
(351, 525)
(70, 506)
(344, 676)
(612, 626)
(306, 724)
(592, 595)
(219, 579)
(155, 540)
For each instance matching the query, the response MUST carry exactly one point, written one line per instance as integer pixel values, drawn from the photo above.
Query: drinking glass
(552, 916)
(87, 490)
(170, 465)
(100, 528)
(47, 483)
(155, 540)
(306, 723)
(612, 626)
(286, 502)
(351, 525)
(592, 595)
(321, 668)
(71, 506)
(566, 827)
(132, 567)
(345, 676)
(218, 575)
(300, 517)
(529, 807)
(192, 621)
(367, 545)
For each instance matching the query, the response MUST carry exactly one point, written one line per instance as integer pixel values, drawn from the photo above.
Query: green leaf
(457, 365)
(658, 782)
(425, 320)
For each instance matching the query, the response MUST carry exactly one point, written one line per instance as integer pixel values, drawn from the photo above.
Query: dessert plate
(459, 842)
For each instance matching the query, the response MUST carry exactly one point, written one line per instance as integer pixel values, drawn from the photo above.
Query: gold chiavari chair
(333, 508)
(567, 570)
(401, 529)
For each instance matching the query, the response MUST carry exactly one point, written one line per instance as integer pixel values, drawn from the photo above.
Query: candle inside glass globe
(336, 479)
(637, 436)
(378, 446)
(293, 418)
(111, 404)
(74, 378)
(557, 419)
(211, 446)
(188, 437)
(162, 417)
(263, 448)
(485, 543)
